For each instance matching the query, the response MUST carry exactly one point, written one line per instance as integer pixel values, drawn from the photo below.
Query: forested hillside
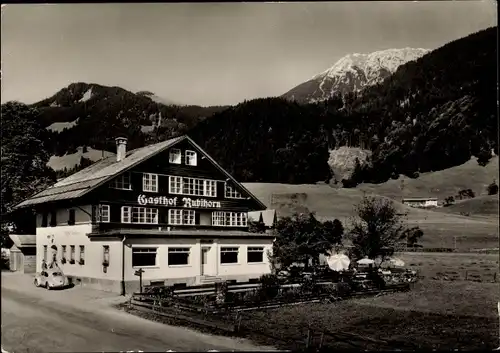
(431, 114)
(268, 139)
(99, 113)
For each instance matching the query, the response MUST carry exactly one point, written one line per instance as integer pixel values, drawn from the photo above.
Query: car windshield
(57, 274)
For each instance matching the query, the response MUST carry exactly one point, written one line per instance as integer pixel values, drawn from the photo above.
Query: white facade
(92, 272)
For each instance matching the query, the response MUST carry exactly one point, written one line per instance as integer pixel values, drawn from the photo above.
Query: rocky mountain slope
(352, 73)
(87, 114)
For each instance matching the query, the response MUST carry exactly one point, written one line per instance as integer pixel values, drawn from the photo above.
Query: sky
(212, 53)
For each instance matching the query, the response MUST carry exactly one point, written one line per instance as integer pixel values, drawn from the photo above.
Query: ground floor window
(45, 253)
(255, 254)
(228, 255)
(143, 257)
(63, 252)
(72, 254)
(82, 254)
(178, 256)
(105, 255)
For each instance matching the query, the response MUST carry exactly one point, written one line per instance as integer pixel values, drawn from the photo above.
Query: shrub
(309, 286)
(493, 188)
(466, 193)
(343, 289)
(269, 286)
(450, 200)
(63, 260)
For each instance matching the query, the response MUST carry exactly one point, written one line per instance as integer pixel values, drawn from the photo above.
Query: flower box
(72, 261)
(63, 260)
(105, 264)
(81, 262)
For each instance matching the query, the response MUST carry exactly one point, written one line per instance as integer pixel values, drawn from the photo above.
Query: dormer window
(45, 219)
(71, 217)
(175, 156)
(232, 193)
(190, 158)
(150, 182)
(53, 220)
(122, 182)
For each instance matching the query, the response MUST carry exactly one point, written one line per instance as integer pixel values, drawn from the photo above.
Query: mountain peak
(353, 72)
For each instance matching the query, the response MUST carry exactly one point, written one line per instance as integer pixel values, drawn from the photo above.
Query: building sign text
(175, 201)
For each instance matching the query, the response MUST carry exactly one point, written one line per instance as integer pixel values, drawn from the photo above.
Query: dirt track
(78, 319)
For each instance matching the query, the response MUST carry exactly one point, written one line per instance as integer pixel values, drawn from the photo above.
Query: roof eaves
(108, 177)
(226, 173)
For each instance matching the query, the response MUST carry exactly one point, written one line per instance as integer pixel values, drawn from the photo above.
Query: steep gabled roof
(95, 175)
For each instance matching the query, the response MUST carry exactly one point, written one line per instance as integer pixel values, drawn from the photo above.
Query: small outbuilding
(23, 253)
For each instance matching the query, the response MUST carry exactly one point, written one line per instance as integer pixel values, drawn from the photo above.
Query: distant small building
(421, 202)
(23, 253)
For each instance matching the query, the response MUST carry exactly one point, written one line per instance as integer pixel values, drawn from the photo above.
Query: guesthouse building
(167, 209)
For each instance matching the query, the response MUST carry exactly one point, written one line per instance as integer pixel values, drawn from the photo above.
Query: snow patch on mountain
(87, 95)
(155, 98)
(354, 72)
(60, 126)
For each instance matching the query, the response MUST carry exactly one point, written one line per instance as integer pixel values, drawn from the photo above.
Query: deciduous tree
(378, 228)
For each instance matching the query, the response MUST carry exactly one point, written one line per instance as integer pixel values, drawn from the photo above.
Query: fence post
(495, 277)
(238, 327)
(321, 339)
(308, 339)
(466, 275)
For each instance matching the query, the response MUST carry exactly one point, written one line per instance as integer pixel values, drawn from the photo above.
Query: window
(228, 255)
(143, 257)
(174, 216)
(45, 219)
(63, 255)
(175, 156)
(72, 254)
(218, 218)
(150, 182)
(230, 219)
(105, 214)
(105, 254)
(232, 193)
(71, 217)
(255, 254)
(190, 158)
(144, 215)
(122, 182)
(82, 254)
(126, 212)
(188, 217)
(236, 219)
(178, 256)
(181, 217)
(175, 185)
(53, 220)
(45, 253)
(210, 188)
(192, 186)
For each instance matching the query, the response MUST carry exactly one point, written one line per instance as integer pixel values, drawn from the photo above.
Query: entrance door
(204, 261)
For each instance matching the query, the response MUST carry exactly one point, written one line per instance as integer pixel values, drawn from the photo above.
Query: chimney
(121, 148)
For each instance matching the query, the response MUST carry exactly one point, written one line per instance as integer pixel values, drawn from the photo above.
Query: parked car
(51, 279)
